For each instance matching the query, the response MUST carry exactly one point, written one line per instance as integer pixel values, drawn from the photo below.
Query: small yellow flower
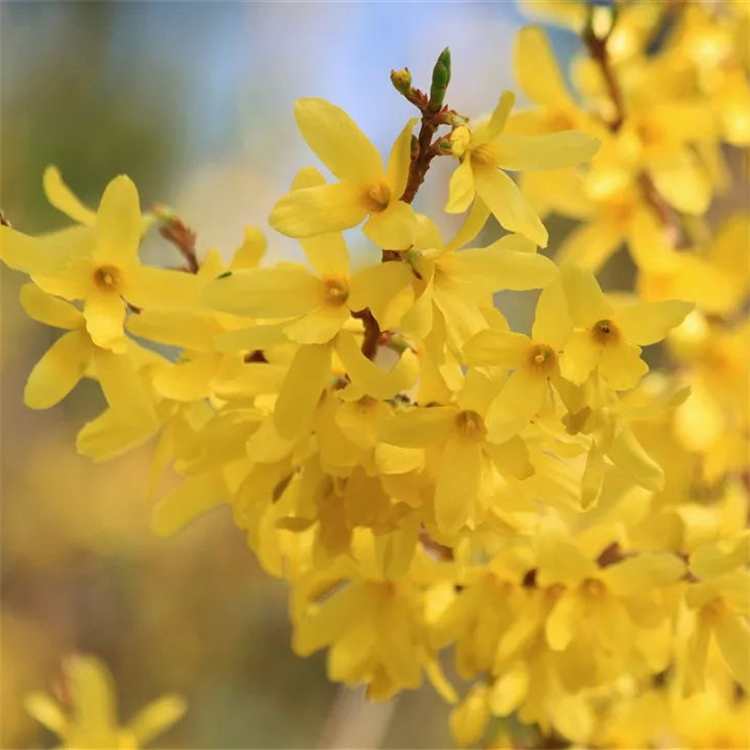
(365, 188)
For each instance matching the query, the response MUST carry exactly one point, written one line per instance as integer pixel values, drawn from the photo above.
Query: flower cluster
(571, 522)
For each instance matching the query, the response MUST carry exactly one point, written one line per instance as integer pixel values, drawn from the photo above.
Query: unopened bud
(401, 80)
(441, 76)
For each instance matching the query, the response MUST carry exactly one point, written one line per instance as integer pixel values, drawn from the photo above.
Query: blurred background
(194, 101)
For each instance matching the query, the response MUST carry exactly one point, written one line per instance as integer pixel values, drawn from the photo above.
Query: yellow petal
(646, 323)
(327, 254)
(471, 227)
(48, 309)
(105, 314)
(318, 326)
(56, 374)
(733, 637)
(399, 161)
(627, 453)
(497, 348)
(195, 332)
(188, 380)
(191, 498)
(419, 427)
(372, 379)
(151, 288)
(106, 436)
(461, 188)
(428, 234)
(155, 718)
(590, 245)
(457, 483)
(317, 210)
(337, 141)
(561, 622)
(551, 151)
(510, 689)
(393, 229)
(266, 292)
(586, 302)
(537, 70)
(510, 208)
(63, 199)
(385, 288)
(579, 357)
(516, 404)
(684, 183)
(469, 719)
(40, 256)
(621, 365)
(92, 693)
(252, 249)
(491, 129)
(118, 223)
(123, 388)
(552, 323)
(46, 712)
(636, 576)
(306, 378)
(495, 268)
(251, 338)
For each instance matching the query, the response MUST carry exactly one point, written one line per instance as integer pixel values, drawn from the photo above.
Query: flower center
(605, 332)
(470, 425)
(542, 358)
(335, 292)
(593, 588)
(484, 155)
(715, 610)
(376, 197)
(108, 278)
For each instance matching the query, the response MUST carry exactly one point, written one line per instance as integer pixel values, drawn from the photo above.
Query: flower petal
(47, 309)
(461, 188)
(300, 392)
(337, 140)
(393, 229)
(552, 323)
(579, 357)
(152, 288)
(627, 453)
(733, 637)
(536, 68)
(496, 268)
(621, 365)
(586, 302)
(279, 292)
(318, 326)
(457, 483)
(63, 199)
(510, 208)
(386, 289)
(491, 129)
(317, 210)
(118, 223)
(497, 348)
(418, 428)
(188, 500)
(516, 404)
(399, 161)
(646, 323)
(105, 314)
(56, 374)
(123, 388)
(551, 151)
(590, 244)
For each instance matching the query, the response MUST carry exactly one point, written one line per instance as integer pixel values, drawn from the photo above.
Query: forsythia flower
(565, 511)
(365, 189)
(93, 721)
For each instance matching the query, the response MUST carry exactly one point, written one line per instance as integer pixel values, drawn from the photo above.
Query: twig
(175, 230)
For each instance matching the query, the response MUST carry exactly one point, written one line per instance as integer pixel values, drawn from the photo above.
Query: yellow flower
(99, 265)
(365, 188)
(486, 151)
(610, 339)
(74, 355)
(534, 361)
(93, 721)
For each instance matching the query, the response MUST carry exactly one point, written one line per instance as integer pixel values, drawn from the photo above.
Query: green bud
(441, 76)
(401, 80)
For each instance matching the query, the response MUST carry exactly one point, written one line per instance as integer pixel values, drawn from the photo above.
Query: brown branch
(372, 332)
(175, 230)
